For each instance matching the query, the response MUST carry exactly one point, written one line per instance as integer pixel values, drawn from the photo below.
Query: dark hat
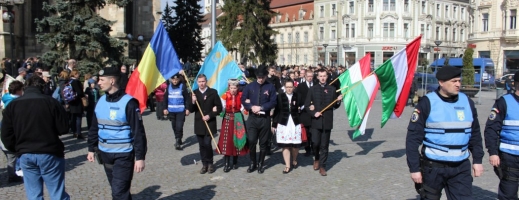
(516, 76)
(448, 72)
(177, 75)
(261, 71)
(110, 71)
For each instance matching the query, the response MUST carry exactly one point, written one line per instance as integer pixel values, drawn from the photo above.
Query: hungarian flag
(396, 76)
(355, 105)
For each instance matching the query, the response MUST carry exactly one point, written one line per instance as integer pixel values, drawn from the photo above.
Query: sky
(170, 2)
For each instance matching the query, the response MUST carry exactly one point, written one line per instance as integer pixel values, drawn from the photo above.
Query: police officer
(446, 123)
(176, 107)
(258, 98)
(502, 139)
(117, 132)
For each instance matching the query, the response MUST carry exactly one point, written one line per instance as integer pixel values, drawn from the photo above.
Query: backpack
(56, 94)
(68, 92)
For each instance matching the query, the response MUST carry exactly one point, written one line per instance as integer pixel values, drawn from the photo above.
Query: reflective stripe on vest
(510, 130)
(175, 99)
(114, 130)
(448, 129)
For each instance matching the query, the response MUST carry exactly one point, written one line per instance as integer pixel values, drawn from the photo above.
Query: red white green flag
(396, 76)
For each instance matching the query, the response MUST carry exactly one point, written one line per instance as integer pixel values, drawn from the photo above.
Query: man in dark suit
(304, 116)
(319, 96)
(273, 79)
(211, 106)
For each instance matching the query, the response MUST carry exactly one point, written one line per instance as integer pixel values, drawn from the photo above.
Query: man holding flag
(446, 123)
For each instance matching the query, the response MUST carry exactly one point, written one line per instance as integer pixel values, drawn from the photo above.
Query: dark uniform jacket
(33, 123)
(207, 101)
(284, 109)
(416, 133)
(302, 90)
(494, 125)
(134, 118)
(259, 95)
(321, 96)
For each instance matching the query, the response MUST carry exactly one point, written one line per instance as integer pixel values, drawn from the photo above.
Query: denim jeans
(40, 168)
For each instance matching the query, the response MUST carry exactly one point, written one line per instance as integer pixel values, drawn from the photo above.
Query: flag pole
(202, 113)
(349, 89)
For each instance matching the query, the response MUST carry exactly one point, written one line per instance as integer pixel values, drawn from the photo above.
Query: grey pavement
(372, 166)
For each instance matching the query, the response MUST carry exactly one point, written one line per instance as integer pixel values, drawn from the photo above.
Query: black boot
(261, 165)
(178, 144)
(227, 166)
(253, 164)
(235, 162)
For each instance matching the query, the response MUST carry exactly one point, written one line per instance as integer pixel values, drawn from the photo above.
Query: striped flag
(158, 64)
(219, 67)
(365, 92)
(396, 76)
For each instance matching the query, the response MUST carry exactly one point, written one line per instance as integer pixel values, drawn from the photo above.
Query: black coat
(321, 97)
(274, 80)
(92, 100)
(284, 109)
(207, 101)
(304, 117)
(76, 106)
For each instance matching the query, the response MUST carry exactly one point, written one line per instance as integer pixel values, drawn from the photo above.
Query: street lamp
(10, 16)
(325, 45)
(437, 43)
(135, 43)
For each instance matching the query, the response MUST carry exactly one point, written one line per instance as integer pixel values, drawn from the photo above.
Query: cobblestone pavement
(371, 167)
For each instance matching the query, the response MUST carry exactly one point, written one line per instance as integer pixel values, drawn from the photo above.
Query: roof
(293, 11)
(458, 62)
(282, 3)
(207, 17)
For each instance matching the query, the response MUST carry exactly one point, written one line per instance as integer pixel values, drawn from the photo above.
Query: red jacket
(159, 92)
(229, 108)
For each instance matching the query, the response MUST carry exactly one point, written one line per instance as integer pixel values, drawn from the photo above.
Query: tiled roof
(293, 11)
(282, 3)
(207, 17)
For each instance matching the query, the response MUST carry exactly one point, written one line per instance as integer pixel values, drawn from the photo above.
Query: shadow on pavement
(393, 153)
(368, 146)
(73, 162)
(189, 141)
(148, 193)
(334, 158)
(206, 192)
(367, 135)
(481, 193)
(190, 159)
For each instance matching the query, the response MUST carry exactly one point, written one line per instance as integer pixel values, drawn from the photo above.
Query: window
(321, 33)
(454, 35)
(370, 6)
(424, 7)
(334, 10)
(406, 30)
(347, 30)
(281, 38)
(422, 30)
(297, 37)
(462, 13)
(387, 56)
(301, 15)
(406, 5)
(289, 38)
(289, 59)
(447, 14)
(352, 7)
(370, 30)
(455, 9)
(438, 12)
(437, 33)
(513, 18)
(428, 32)
(278, 18)
(385, 6)
(306, 37)
(446, 36)
(332, 35)
(485, 22)
(353, 30)
(305, 57)
(321, 11)
(392, 5)
(462, 35)
(389, 30)
(297, 59)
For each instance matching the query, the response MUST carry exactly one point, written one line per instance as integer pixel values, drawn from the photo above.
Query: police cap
(448, 72)
(110, 71)
(176, 76)
(516, 76)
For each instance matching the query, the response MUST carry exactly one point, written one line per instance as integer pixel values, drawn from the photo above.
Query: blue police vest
(175, 99)
(510, 130)
(114, 130)
(448, 129)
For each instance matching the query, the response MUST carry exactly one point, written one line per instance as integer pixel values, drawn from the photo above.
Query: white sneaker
(19, 173)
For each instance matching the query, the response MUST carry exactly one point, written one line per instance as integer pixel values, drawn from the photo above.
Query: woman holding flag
(232, 135)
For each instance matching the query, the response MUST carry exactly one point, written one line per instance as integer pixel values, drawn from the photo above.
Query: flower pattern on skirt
(289, 134)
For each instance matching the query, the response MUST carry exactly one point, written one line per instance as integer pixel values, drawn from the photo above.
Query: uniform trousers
(206, 149)
(119, 170)
(177, 123)
(258, 128)
(320, 144)
(508, 188)
(456, 179)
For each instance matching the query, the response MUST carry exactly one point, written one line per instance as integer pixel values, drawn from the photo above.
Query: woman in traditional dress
(288, 131)
(232, 134)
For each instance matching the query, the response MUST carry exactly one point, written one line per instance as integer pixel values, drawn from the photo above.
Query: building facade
(139, 18)
(293, 21)
(347, 29)
(495, 34)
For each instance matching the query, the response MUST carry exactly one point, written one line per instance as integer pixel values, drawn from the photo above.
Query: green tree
(167, 19)
(185, 33)
(76, 31)
(467, 75)
(245, 26)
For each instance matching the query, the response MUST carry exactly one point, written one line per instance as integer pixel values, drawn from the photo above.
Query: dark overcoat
(321, 97)
(207, 101)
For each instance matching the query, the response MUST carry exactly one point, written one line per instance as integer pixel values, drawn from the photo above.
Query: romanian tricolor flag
(158, 64)
(219, 67)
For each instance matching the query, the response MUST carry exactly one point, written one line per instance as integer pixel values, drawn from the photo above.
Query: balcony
(485, 35)
(511, 35)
